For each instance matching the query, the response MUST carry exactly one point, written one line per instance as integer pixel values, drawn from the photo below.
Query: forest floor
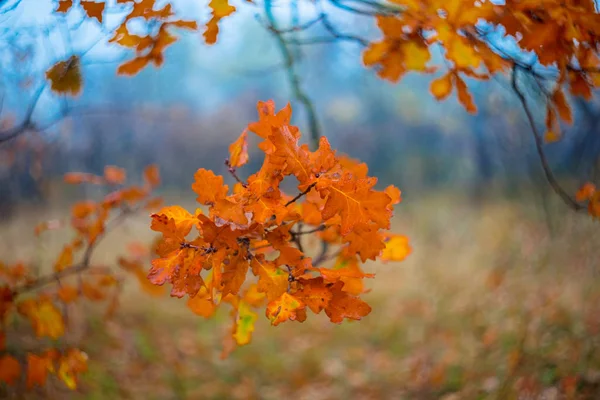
(495, 302)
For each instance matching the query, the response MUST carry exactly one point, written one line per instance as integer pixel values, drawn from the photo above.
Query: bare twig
(293, 78)
(79, 267)
(299, 195)
(539, 144)
(233, 173)
(27, 119)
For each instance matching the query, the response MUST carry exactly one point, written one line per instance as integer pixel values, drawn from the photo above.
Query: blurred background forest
(496, 252)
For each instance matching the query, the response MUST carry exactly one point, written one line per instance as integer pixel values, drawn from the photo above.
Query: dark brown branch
(539, 144)
(300, 194)
(317, 229)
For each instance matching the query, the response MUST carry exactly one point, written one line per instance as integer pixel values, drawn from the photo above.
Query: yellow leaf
(220, 10)
(416, 56)
(551, 136)
(442, 87)
(44, 316)
(244, 324)
(284, 308)
(397, 248)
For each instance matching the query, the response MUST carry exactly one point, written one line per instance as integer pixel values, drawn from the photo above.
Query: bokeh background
(500, 295)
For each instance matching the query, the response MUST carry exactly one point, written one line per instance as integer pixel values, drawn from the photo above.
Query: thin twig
(75, 268)
(539, 144)
(233, 173)
(300, 194)
(293, 78)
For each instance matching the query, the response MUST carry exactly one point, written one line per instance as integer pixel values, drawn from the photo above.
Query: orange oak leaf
(343, 305)
(356, 202)
(37, 369)
(209, 187)
(238, 151)
(271, 280)
(219, 10)
(283, 309)
(315, 293)
(10, 369)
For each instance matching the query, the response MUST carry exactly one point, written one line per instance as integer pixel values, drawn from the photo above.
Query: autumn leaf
(65, 77)
(65, 259)
(343, 305)
(209, 187)
(70, 365)
(64, 6)
(10, 370)
(397, 248)
(152, 176)
(464, 97)
(76, 178)
(355, 202)
(133, 66)
(284, 308)
(562, 106)
(68, 294)
(238, 151)
(585, 192)
(45, 318)
(315, 294)
(219, 10)
(271, 280)
(173, 221)
(441, 87)
(244, 325)
(93, 9)
(202, 304)
(114, 175)
(37, 370)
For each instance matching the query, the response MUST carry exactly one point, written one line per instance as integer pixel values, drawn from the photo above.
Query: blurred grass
(488, 306)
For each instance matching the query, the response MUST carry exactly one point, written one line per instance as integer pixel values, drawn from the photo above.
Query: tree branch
(293, 78)
(539, 144)
(300, 194)
(79, 267)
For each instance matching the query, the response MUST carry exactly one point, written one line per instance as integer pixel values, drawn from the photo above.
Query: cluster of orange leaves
(43, 300)
(561, 34)
(255, 229)
(149, 47)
